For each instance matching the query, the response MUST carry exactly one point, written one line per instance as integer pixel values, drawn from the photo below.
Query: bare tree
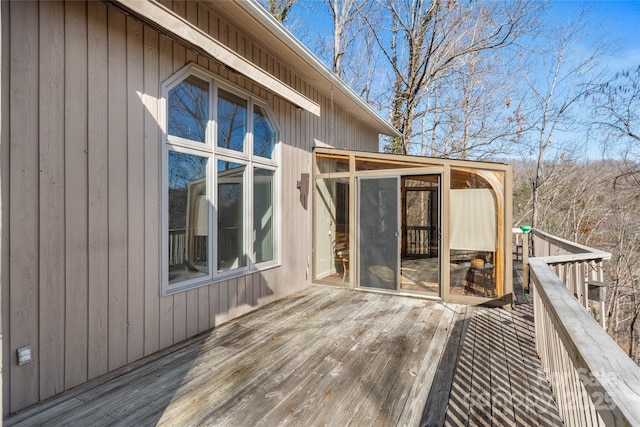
(558, 84)
(617, 107)
(593, 203)
(343, 15)
(616, 120)
(428, 41)
(470, 113)
(279, 9)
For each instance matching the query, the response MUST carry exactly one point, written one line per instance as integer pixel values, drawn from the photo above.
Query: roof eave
(258, 13)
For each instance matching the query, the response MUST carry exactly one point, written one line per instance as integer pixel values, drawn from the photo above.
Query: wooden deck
(329, 356)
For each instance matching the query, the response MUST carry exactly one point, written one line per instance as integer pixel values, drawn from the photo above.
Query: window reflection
(263, 243)
(188, 216)
(232, 121)
(264, 136)
(189, 109)
(231, 253)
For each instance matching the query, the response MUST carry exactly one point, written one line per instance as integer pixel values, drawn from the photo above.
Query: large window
(220, 172)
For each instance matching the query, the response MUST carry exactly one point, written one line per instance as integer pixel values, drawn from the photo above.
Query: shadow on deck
(492, 374)
(329, 356)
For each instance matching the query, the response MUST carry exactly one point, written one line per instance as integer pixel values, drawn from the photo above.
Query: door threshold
(398, 293)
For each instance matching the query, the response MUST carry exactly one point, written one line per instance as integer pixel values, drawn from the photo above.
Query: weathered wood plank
(135, 187)
(331, 368)
(203, 308)
(435, 409)
(192, 312)
(98, 225)
(52, 219)
(479, 398)
(222, 313)
(389, 363)
(241, 284)
(117, 190)
(322, 356)
(398, 402)
(76, 195)
(152, 213)
(516, 364)
(230, 379)
(232, 310)
(179, 316)
(420, 389)
(23, 206)
(502, 406)
(166, 314)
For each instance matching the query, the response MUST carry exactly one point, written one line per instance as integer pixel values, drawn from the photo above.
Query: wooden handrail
(594, 382)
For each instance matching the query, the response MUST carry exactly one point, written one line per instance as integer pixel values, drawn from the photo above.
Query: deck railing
(178, 247)
(421, 241)
(593, 381)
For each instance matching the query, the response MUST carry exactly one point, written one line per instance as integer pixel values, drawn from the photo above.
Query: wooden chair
(341, 252)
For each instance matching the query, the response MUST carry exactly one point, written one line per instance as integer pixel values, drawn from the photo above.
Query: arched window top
(220, 177)
(188, 109)
(202, 112)
(264, 133)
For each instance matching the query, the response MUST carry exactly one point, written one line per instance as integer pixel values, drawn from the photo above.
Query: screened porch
(413, 225)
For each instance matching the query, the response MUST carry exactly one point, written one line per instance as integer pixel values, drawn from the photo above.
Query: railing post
(525, 256)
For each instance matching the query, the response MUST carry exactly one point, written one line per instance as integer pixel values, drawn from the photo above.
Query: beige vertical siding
(51, 198)
(75, 193)
(23, 250)
(98, 192)
(81, 186)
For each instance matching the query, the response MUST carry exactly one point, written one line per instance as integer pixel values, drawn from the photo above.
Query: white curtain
(473, 219)
(201, 219)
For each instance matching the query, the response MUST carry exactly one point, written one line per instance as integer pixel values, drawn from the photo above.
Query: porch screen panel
(378, 231)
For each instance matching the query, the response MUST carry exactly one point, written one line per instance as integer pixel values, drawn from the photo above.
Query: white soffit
(171, 23)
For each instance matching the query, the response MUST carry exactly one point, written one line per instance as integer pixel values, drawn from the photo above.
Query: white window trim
(214, 153)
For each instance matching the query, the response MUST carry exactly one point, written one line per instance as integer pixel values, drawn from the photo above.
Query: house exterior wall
(81, 191)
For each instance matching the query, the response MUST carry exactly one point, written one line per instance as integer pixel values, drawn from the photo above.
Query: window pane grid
(221, 194)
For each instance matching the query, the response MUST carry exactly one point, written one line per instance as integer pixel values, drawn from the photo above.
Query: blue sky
(619, 20)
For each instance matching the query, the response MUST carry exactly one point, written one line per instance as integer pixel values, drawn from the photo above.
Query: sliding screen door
(378, 233)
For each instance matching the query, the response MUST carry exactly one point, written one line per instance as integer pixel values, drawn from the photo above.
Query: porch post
(525, 256)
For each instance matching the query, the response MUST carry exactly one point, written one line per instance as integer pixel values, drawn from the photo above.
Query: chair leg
(345, 263)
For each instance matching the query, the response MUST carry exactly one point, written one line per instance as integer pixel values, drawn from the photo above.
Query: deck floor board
(330, 356)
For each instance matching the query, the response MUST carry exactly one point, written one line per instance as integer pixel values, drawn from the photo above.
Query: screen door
(378, 233)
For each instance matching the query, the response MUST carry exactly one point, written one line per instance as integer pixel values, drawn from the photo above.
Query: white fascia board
(279, 31)
(175, 25)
